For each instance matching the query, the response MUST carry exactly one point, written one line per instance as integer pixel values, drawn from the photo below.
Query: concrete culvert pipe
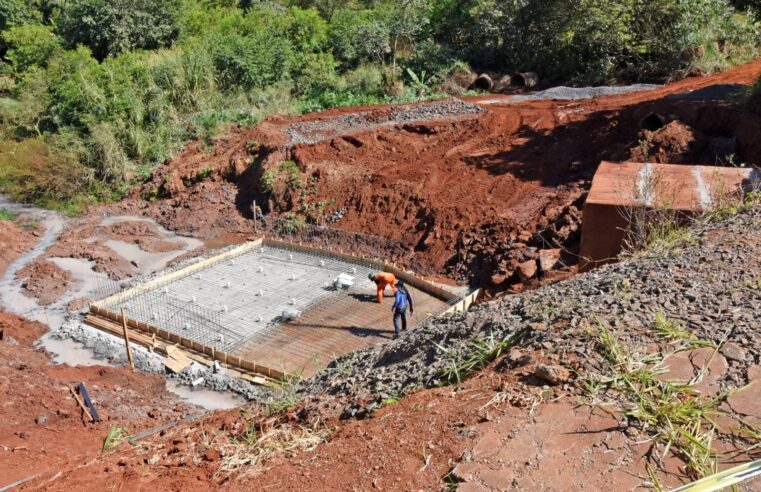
(652, 122)
(483, 83)
(503, 83)
(525, 79)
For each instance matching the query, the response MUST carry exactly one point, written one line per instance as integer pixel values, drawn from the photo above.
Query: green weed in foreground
(477, 356)
(6, 215)
(114, 437)
(675, 415)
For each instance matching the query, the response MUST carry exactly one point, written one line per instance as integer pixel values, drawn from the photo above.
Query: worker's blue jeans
(400, 313)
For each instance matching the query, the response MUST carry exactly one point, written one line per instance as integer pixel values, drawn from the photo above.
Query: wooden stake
(126, 341)
(81, 404)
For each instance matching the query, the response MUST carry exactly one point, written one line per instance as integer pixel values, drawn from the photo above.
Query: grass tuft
(477, 356)
(6, 215)
(114, 437)
(255, 448)
(679, 418)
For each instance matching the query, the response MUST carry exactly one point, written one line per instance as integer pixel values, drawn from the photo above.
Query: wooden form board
(211, 352)
(408, 277)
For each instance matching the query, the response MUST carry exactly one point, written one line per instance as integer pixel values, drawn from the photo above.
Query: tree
(109, 27)
(30, 45)
(16, 12)
(403, 20)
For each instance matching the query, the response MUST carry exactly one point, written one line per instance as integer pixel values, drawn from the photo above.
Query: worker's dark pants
(400, 313)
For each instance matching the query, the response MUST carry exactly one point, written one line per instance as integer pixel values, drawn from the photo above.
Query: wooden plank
(411, 279)
(126, 341)
(228, 360)
(176, 365)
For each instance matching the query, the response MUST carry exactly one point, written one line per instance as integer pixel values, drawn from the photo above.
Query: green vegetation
(679, 418)
(114, 437)
(94, 94)
(477, 355)
(6, 215)
(204, 173)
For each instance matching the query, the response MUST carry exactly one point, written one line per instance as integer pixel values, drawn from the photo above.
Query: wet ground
(87, 283)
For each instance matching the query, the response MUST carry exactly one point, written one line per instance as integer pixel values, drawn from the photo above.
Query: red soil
(14, 240)
(469, 197)
(42, 430)
(44, 280)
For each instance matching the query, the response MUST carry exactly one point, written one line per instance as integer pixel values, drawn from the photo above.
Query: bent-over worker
(402, 299)
(382, 279)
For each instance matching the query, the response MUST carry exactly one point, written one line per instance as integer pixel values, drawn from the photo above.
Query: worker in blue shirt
(402, 299)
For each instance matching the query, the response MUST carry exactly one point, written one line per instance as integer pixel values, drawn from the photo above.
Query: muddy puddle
(206, 398)
(89, 284)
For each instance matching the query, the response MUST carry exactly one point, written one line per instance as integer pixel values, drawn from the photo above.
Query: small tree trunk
(393, 57)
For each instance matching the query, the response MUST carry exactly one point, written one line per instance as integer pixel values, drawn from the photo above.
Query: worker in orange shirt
(382, 279)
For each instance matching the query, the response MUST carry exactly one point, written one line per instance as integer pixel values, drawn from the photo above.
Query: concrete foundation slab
(275, 305)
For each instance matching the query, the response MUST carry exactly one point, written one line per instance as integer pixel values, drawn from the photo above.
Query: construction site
(509, 219)
(272, 308)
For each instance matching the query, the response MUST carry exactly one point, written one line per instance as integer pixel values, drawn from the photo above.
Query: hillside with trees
(96, 94)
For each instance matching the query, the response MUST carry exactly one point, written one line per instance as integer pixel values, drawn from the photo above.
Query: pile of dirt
(44, 280)
(14, 240)
(678, 143)
(472, 194)
(141, 233)
(72, 244)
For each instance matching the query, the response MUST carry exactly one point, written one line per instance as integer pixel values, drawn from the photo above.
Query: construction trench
(267, 309)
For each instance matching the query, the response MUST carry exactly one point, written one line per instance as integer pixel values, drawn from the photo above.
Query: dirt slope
(471, 195)
(42, 430)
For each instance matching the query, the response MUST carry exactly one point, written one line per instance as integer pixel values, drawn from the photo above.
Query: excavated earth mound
(477, 190)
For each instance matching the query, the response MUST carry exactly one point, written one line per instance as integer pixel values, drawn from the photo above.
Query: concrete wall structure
(619, 188)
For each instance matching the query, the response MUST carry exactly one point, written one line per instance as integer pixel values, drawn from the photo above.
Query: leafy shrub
(30, 45)
(109, 27)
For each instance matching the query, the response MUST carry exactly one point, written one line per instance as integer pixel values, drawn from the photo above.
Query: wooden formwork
(192, 345)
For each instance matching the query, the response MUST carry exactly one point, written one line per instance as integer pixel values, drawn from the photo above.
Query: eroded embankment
(490, 194)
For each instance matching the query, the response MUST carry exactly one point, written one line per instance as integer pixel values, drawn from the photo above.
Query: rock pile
(712, 288)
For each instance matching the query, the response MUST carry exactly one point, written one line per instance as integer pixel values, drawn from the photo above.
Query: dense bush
(109, 27)
(106, 90)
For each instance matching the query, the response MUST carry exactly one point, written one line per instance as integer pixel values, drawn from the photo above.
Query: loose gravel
(563, 93)
(311, 132)
(712, 287)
